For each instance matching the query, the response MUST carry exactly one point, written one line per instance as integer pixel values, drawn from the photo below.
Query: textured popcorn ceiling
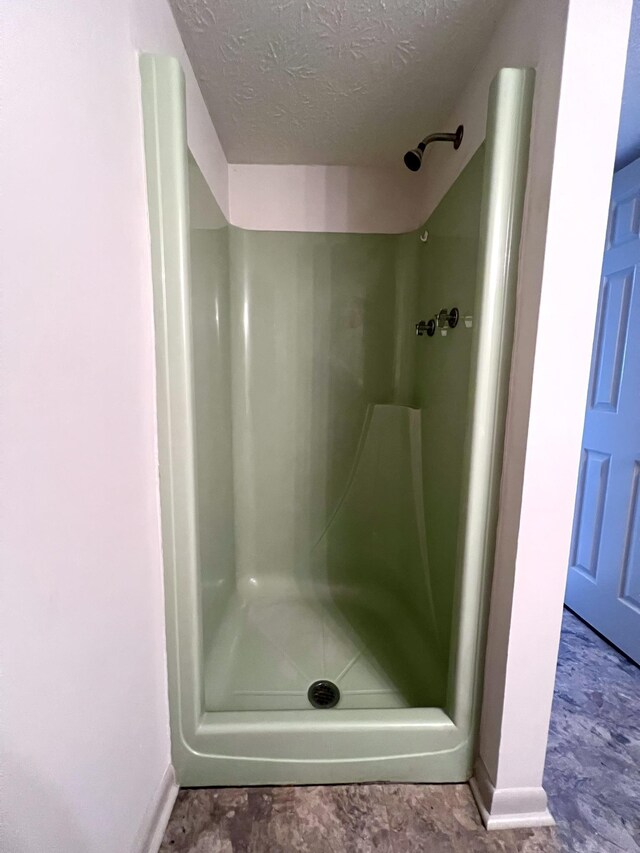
(331, 81)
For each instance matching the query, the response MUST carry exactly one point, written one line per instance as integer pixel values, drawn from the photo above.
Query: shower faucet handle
(425, 327)
(443, 320)
(448, 319)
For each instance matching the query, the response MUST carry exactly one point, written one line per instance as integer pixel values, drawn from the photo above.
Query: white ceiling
(331, 81)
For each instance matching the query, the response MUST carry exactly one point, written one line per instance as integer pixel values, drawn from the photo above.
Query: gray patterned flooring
(592, 778)
(592, 774)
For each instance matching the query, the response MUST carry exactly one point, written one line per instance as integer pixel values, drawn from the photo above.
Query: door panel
(592, 489)
(603, 584)
(612, 340)
(631, 568)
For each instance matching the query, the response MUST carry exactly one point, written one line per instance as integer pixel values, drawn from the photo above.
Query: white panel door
(603, 585)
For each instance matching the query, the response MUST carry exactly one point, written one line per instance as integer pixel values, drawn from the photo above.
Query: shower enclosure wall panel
(211, 364)
(447, 278)
(290, 381)
(312, 350)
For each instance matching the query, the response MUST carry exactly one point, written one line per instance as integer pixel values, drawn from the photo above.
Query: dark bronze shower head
(413, 158)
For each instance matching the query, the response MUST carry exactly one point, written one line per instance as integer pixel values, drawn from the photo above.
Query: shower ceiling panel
(343, 82)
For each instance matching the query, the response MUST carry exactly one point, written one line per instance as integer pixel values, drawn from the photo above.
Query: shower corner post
(165, 145)
(504, 185)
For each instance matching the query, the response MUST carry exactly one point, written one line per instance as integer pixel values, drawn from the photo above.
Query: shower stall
(329, 478)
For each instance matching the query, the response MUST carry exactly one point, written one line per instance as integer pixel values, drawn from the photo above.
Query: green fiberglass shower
(329, 479)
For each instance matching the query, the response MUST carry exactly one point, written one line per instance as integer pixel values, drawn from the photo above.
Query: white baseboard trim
(157, 815)
(508, 808)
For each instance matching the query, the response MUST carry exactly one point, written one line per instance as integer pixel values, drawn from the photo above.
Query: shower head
(413, 158)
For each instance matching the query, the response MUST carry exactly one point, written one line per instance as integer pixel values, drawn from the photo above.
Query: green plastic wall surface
(446, 279)
(328, 478)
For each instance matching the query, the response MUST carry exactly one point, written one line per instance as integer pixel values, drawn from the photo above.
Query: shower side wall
(447, 274)
(210, 323)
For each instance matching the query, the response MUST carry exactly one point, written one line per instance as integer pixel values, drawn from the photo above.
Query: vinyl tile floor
(592, 778)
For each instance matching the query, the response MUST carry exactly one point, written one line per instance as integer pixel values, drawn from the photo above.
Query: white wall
(324, 198)
(85, 720)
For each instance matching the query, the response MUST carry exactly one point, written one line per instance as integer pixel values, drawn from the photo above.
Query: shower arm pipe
(456, 138)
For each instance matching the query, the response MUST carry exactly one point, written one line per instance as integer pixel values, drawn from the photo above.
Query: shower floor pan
(269, 650)
(259, 727)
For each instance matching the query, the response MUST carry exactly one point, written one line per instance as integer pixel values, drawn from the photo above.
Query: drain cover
(323, 694)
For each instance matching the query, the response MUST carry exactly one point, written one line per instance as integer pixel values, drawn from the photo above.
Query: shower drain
(323, 694)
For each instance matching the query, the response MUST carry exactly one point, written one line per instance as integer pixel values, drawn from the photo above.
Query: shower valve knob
(447, 319)
(425, 327)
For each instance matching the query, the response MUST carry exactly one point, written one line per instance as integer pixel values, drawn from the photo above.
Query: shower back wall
(313, 327)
